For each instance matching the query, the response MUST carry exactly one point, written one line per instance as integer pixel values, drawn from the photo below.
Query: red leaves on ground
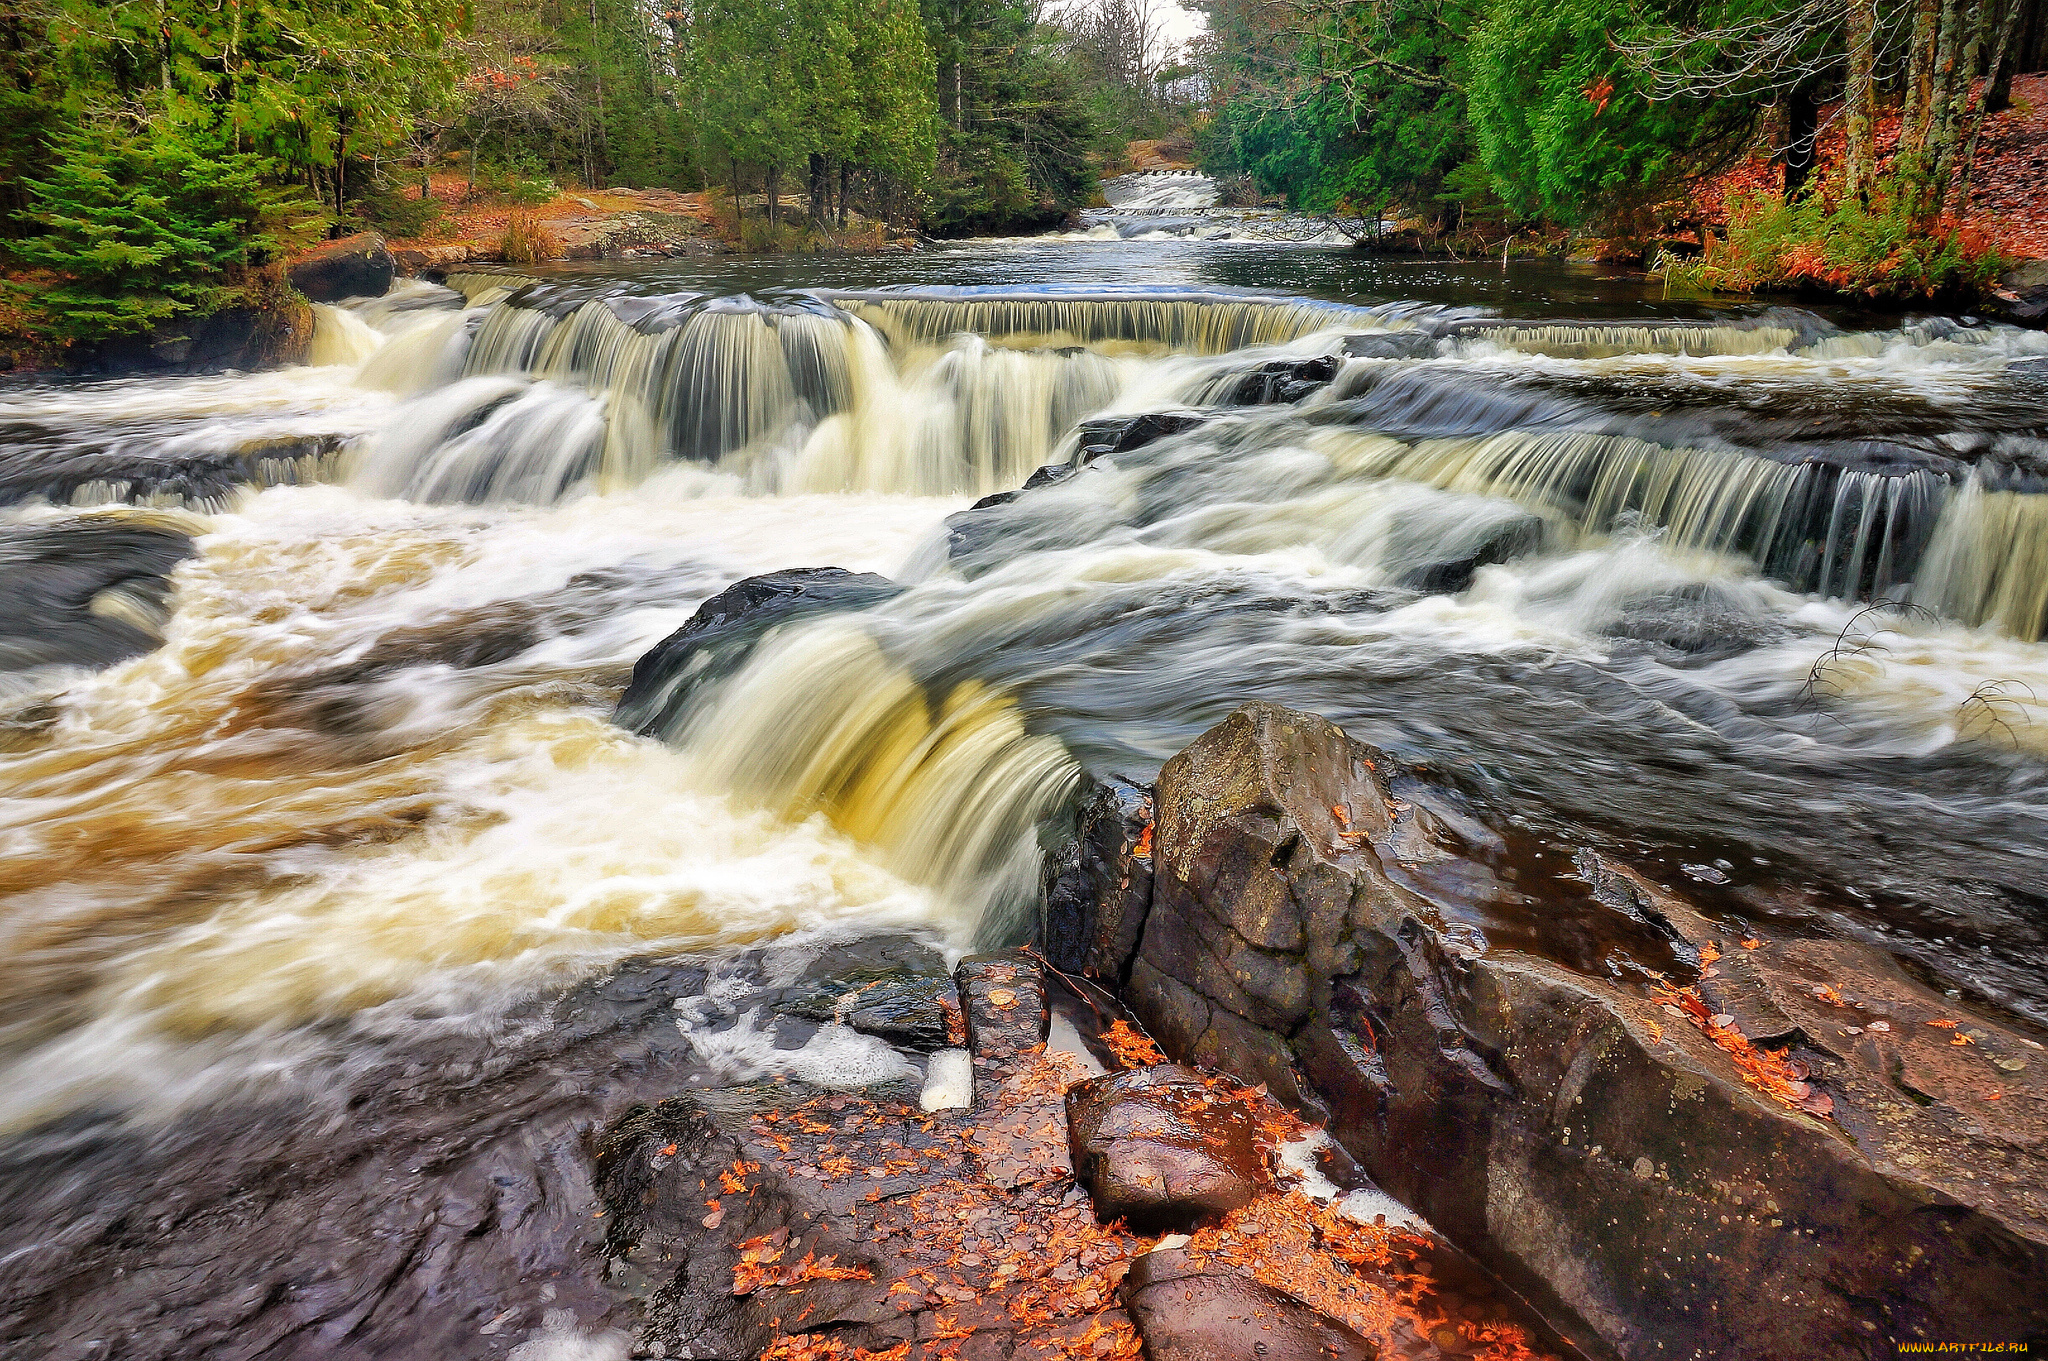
(1770, 1073)
(1130, 1047)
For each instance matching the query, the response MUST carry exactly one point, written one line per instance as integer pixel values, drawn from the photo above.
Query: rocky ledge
(1022, 1212)
(1682, 1136)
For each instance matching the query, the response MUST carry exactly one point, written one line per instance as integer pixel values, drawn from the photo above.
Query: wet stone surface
(1163, 1147)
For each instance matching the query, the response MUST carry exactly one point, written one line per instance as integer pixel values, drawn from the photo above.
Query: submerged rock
(1517, 537)
(1656, 1161)
(85, 592)
(718, 638)
(1163, 1147)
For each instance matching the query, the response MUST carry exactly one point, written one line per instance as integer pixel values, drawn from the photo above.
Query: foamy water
(370, 784)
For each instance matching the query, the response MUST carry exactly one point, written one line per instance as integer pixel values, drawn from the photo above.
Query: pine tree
(144, 227)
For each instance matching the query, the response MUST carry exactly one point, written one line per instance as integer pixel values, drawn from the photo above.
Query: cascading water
(1753, 598)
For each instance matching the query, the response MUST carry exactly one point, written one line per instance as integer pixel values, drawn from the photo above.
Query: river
(330, 913)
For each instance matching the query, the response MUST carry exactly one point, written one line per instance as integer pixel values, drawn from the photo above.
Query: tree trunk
(739, 214)
(818, 192)
(1859, 97)
(845, 180)
(2001, 17)
(773, 185)
(1917, 105)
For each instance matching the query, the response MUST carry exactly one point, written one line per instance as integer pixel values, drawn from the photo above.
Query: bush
(1877, 248)
(527, 241)
(145, 227)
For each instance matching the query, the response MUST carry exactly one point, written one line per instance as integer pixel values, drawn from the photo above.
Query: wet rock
(1098, 883)
(724, 630)
(232, 338)
(1516, 537)
(1163, 1147)
(1185, 1314)
(1699, 622)
(890, 987)
(1614, 1151)
(1105, 435)
(1043, 477)
(85, 592)
(1003, 996)
(97, 464)
(1415, 344)
(2021, 295)
(1281, 381)
(358, 266)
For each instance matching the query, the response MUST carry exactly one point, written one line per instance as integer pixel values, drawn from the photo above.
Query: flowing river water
(292, 900)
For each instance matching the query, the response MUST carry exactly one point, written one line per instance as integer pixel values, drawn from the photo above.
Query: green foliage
(1565, 127)
(393, 209)
(1366, 112)
(1880, 248)
(1016, 127)
(154, 153)
(145, 228)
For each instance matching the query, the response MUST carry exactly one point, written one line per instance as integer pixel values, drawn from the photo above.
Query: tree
(144, 227)
(1567, 129)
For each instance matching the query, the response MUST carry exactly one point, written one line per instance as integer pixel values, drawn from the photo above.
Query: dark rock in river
(1646, 1160)
(724, 630)
(1186, 1313)
(1105, 435)
(84, 592)
(1498, 543)
(1098, 884)
(74, 466)
(358, 266)
(1697, 623)
(1163, 1147)
(1280, 381)
(890, 987)
(232, 338)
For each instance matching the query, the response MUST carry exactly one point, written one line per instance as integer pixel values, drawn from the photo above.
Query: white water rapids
(370, 781)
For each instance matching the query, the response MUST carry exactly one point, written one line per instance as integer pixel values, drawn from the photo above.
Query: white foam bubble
(948, 1081)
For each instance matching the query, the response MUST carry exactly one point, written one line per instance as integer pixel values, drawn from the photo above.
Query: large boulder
(1163, 1147)
(1682, 1143)
(358, 266)
(1187, 1313)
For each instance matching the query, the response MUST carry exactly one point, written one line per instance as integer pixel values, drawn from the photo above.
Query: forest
(156, 156)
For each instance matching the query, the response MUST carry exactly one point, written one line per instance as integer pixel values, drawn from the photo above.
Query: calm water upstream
(328, 919)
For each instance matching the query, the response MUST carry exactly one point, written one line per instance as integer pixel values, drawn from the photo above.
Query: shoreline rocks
(358, 266)
(1642, 1157)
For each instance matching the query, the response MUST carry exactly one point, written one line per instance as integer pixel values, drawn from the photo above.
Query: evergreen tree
(144, 228)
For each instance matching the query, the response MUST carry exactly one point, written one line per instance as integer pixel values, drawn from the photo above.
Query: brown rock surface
(1163, 1147)
(1186, 1314)
(1643, 1155)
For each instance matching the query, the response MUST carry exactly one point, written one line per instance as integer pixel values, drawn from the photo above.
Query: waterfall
(542, 391)
(945, 781)
(1988, 563)
(1833, 531)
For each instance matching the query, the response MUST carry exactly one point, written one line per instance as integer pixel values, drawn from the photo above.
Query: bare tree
(1939, 53)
